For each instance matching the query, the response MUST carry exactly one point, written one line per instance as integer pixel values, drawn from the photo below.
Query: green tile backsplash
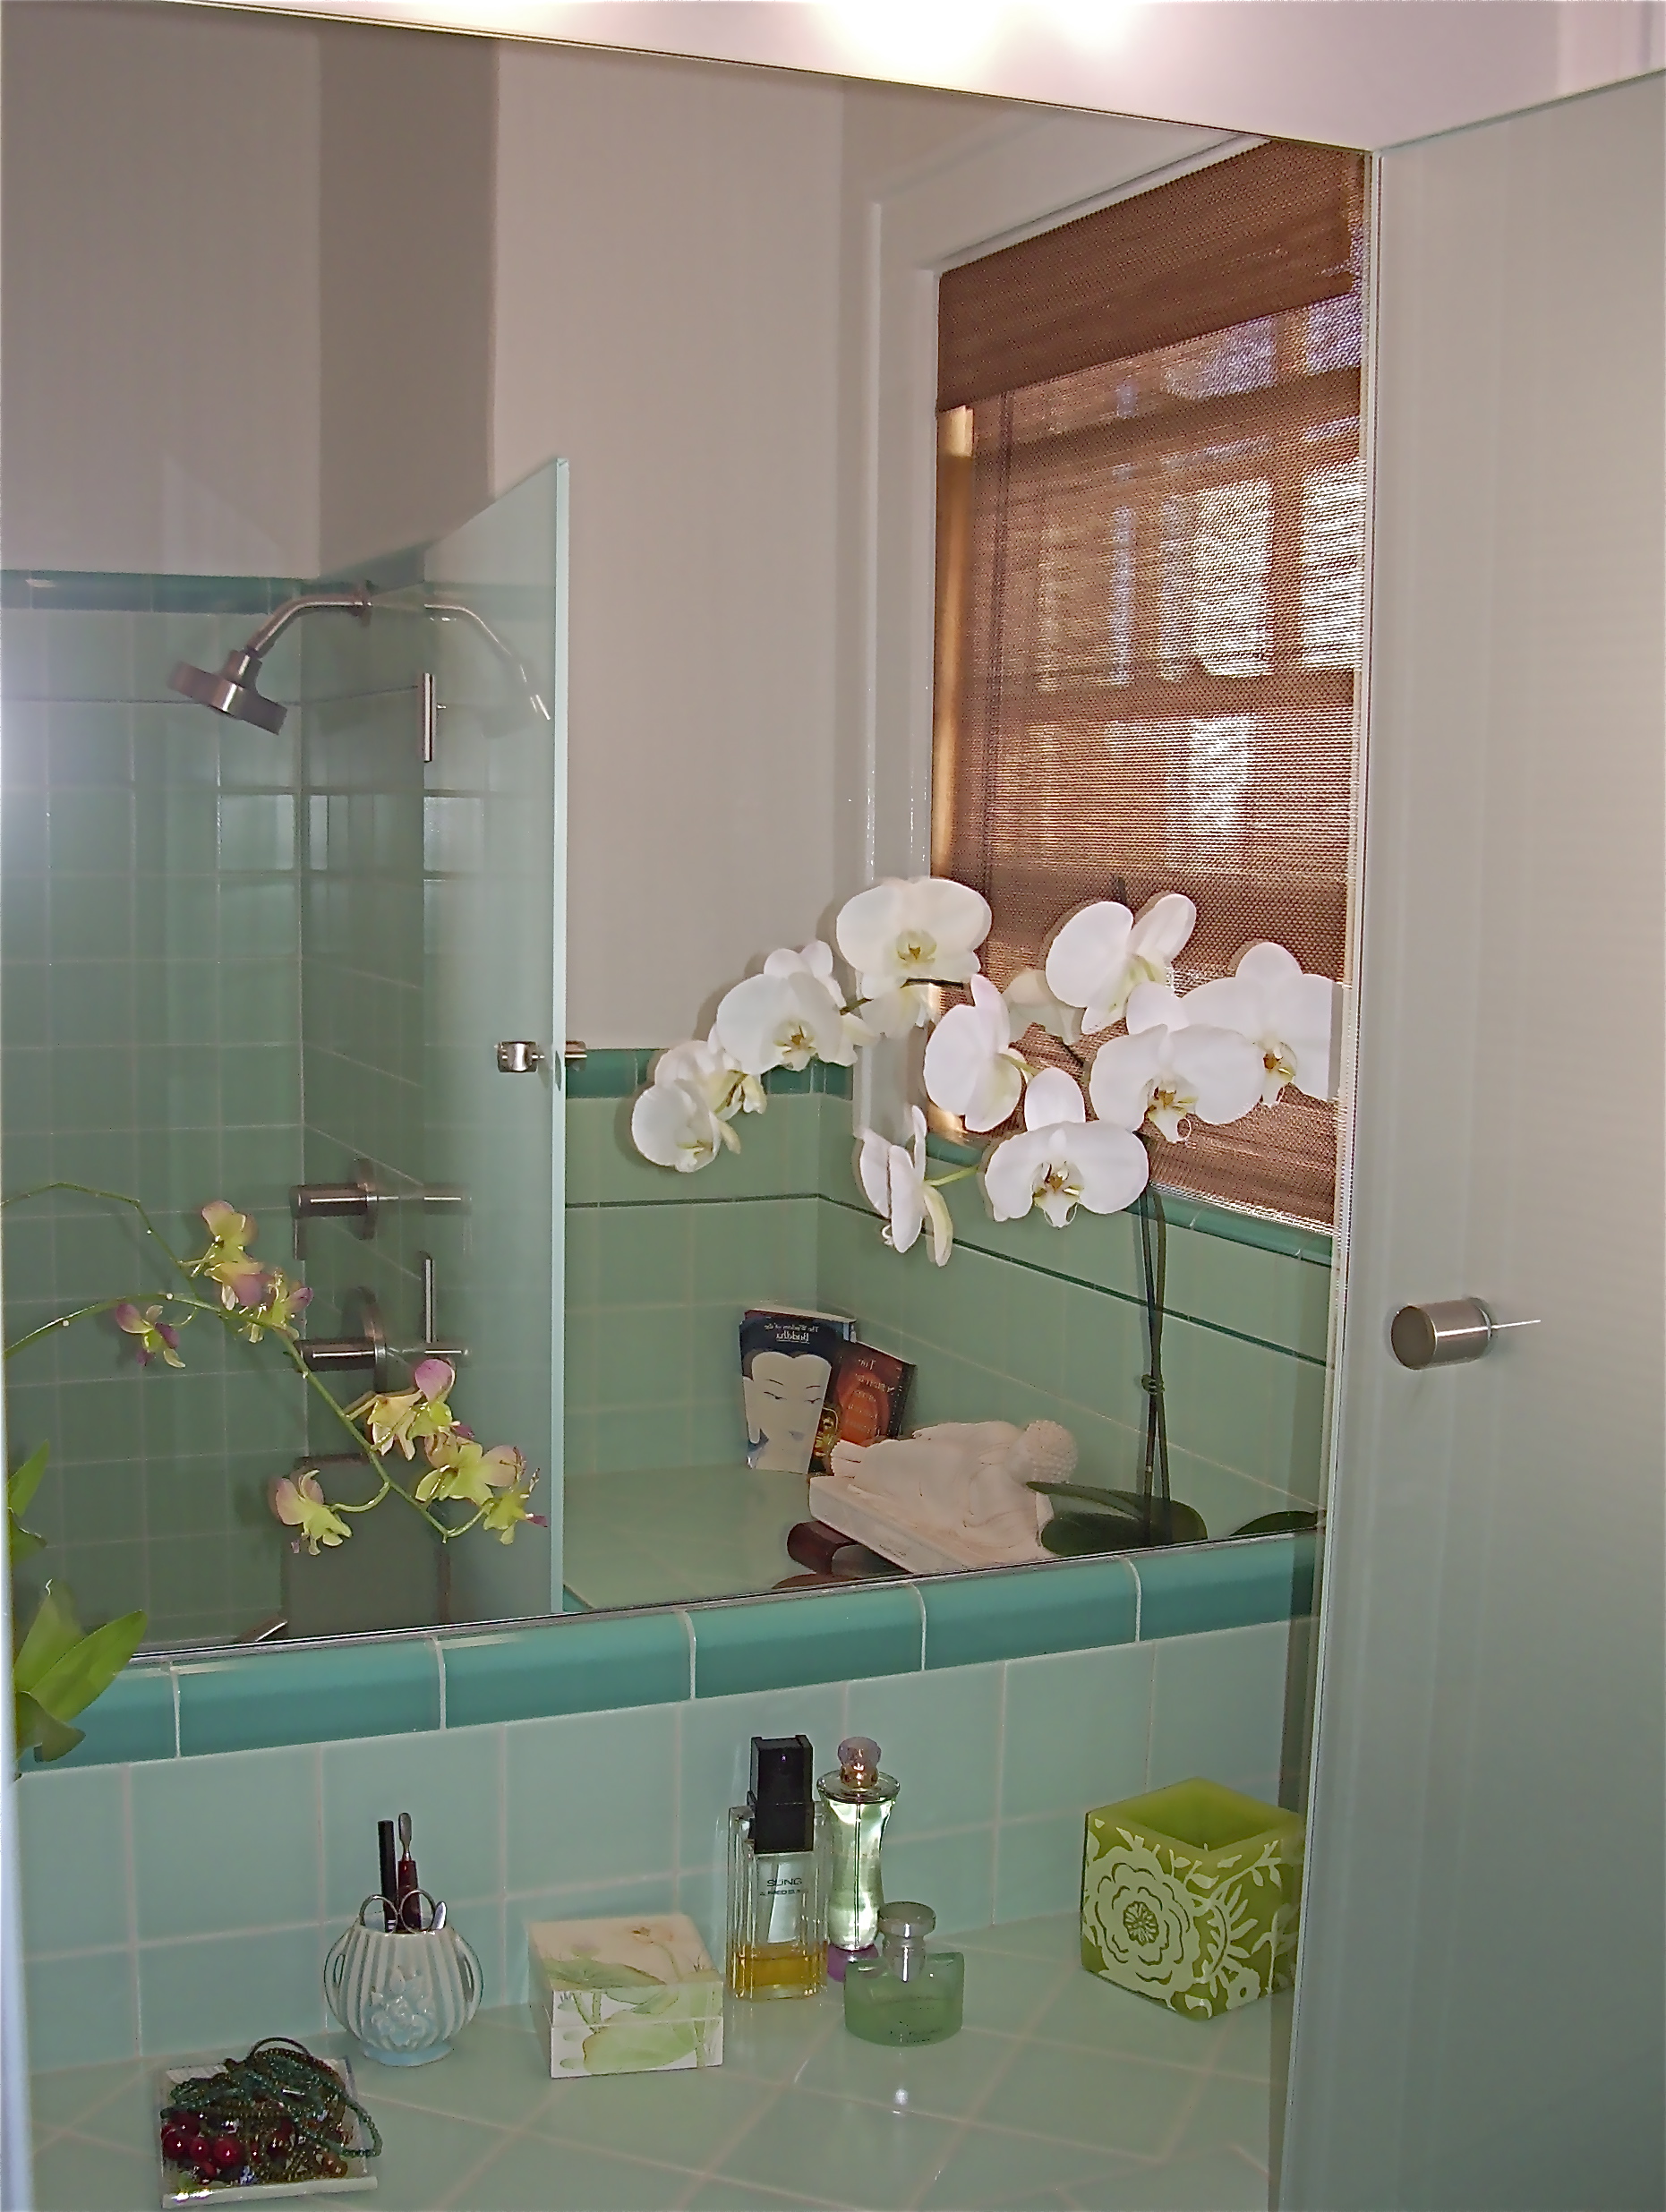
(1023, 1322)
(182, 1903)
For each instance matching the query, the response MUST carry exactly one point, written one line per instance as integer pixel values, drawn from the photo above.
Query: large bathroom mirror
(371, 821)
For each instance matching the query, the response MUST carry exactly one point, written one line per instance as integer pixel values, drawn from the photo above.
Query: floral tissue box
(1189, 1895)
(626, 1996)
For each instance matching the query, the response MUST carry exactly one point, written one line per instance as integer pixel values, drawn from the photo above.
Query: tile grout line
(999, 1822)
(130, 1903)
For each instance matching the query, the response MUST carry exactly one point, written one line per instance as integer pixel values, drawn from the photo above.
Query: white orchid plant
(1155, 1060)
(1148, 1062)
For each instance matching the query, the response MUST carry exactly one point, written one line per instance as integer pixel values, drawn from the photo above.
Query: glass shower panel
(494, 906)
(432, 786)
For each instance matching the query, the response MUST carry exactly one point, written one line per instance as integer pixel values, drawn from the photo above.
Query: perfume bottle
(776, 1936)
(905, 1994)
(855, 1805)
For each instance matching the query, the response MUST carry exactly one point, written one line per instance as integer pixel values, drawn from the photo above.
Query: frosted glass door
(494, 902)
(1479, 2006)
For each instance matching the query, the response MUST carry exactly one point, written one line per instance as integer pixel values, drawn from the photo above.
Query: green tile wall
(185, 1902)
(1025, 1321)
(150, 937)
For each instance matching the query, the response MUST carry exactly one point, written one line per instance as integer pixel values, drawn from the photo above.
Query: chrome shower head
(236, 691)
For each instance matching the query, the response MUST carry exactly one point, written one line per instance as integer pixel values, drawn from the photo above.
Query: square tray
(177, 2190)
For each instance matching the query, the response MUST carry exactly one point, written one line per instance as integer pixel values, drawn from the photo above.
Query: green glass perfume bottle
(855, 1805)
(905, 1994)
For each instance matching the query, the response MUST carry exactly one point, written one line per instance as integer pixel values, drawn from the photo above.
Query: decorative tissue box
(1189, 1895)
(628, 1996)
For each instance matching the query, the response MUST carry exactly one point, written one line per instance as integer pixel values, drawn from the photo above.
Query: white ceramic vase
(404, 1996)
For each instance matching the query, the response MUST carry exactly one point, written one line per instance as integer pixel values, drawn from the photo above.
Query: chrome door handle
(1445, 1332)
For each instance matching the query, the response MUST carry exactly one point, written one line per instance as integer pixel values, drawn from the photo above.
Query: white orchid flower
(1170, 1067)
(893, 1014)
(925, 929)
(1103, 952)
(893, 1176)
(1285, 1015)
(1030, 1003)
(727, 1089)
(672, 1125)
(1063, 1160)
(783, 1020)
(971, 1067)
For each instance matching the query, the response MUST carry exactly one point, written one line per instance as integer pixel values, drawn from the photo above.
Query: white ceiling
(1361, 72)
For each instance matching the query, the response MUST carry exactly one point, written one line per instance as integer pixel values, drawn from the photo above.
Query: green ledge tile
(607, 1072)
(1020, 1612)
(785, 1642)
(133, 1719)
(583, 1663)
(269, 1697)
(1224, 1585)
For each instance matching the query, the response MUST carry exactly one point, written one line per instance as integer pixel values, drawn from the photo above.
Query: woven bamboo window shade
(1148, 564)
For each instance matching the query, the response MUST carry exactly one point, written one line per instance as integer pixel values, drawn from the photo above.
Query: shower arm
(455, 609)
(356, 604)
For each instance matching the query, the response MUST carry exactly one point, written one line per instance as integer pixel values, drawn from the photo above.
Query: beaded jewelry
(280, 2115)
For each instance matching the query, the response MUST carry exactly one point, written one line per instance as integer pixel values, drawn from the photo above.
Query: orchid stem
(955, 1174)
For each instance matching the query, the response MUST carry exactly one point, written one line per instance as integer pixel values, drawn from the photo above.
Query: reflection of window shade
(1149, 545)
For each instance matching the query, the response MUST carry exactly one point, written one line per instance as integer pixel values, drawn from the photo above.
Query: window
(1150, 556)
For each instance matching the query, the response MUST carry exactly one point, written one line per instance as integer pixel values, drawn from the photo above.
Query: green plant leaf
(1070, 1535)
(37, 1729)
(22, 1542)
(87, 1669)
(1279, 1524)
(623, 2045)
(23, 1481)
(54, 1631)
(1186, 1524)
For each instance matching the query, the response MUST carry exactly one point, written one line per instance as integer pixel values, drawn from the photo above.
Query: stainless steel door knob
(1445, 1333)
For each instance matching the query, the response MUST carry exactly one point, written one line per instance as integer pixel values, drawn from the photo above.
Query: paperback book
(786, 1363)
(866, 1399)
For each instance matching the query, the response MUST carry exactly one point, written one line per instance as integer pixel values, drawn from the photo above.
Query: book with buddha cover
(786, 1363)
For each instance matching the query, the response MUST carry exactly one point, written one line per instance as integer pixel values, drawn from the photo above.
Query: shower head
(236, 691)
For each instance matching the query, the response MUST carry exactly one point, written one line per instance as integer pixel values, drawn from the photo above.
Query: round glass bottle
(905, 1994)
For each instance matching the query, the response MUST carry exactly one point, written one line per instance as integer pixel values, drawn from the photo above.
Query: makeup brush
(410, 1905)
(389, 1876)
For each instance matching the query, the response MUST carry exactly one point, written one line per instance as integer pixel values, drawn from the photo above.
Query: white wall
(161, 368)
(668, 319)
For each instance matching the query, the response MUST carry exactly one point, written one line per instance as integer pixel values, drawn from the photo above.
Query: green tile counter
(1061, 2091)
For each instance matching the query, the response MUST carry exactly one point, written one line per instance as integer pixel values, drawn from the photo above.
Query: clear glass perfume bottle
(855, 1805)
(776, 1936)
(905, 1994)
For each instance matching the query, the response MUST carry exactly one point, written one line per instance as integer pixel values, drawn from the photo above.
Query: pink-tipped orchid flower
(298, 1501)
(409, 1418)
(227, 1262)
(157, 1338)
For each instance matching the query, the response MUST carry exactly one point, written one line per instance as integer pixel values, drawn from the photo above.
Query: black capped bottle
(776, 1934)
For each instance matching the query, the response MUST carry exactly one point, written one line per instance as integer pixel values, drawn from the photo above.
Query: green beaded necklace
(280, 2115)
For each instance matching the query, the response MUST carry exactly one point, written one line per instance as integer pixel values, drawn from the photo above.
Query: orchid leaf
(1071, 1535)
(87, 1669)
(22, 1542)
(53, 1634)
(1279, 1524)
(37, 1729)
(597, 1973)
(25, 1481)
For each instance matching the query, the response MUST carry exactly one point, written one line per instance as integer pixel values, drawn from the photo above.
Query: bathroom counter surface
(1060, 2092)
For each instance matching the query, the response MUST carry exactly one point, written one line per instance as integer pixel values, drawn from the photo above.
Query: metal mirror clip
(1446, 1333)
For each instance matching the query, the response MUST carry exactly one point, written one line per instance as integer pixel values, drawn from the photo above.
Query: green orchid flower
(280, 1302)
(226, 1261)
(299, 1502)
(157, 1338)
(409, 1418)
(458, 1467)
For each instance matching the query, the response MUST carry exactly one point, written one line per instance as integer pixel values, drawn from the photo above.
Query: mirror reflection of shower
(235, 689)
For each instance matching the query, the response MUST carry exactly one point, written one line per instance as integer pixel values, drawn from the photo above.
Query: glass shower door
(494, 987)
(431, 972)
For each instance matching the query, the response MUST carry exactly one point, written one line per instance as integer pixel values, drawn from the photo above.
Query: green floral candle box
(636, 1995)
(1189, 1895)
